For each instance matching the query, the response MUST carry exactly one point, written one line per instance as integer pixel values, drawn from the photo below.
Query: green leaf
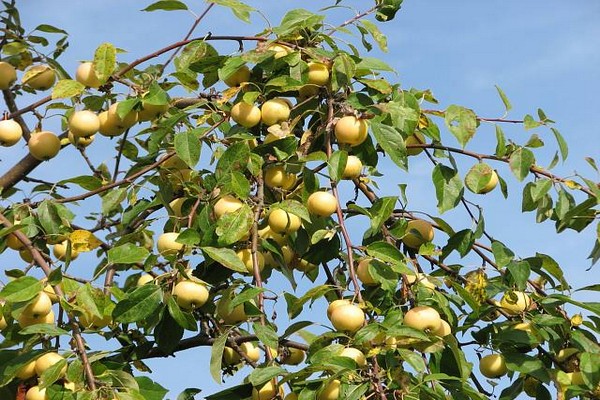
(166, 5)
(478, 177)
(43, 329)
(262, 375)
(226, 257)
(235, 158)
(67, 88)
(589, 365)
(266, 334)
(188, 147)
(520, 271)
(500, 142)
(521, 161)
(149, 389)
(462, 122)
(296, 20)
(105, 59)
(127, 253)
(86, 182)
(540, 189)
(240, 10)
(342, 71)
(562, 144)
(49, 217)
(113, 199)
(139, 304)
(184, 319)
(49, 29)
(216, 356)
(392, 142)
(336, 164)
(234, 226)
(448, 187)
(52, 374)
(21, 289)
(189, 394)
(507, 105)
(379, 37)
(502, 254)
(387, 9)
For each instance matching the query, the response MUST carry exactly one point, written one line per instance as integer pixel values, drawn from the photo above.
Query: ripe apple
(293, 356)
(331, 390)
(238, 77)
(362, 273)
(151, 111)
(268, 391)
(237, 315)
(347, 317)
(226, 204)
(353, 168)
(275, 111)
(108, 126)
(43, 145)
(246, 256)
(46, 361)
(230, 356)
(176, 205)
(122, 123)
(84, 123)
(418, 231)
(421, 280)
(14, 243)
(415, 138)
(26, 320)
(60, 251)
(423, 318)
(86, 75)
(49, 290)
(8, 75)
(190, 295)
(277, 177)
(515, 302)
(303, 265)
(280, 50)
(351, 130)
(268, 233)
(321, 203)
(491, 185)
(252, 351)
(335, 304)
(80, 141)
(247, 115)
(39, 306)
(318, 74)
(143, 279)
(26, 371)
(444, 330)
(26, 255)
(356, 355)
(39, 77)
(493, 366)
(10, 132)
(167, 245)
(281, 221)
(35, 393)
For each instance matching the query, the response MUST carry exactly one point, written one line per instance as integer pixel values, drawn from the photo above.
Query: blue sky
(541, 53)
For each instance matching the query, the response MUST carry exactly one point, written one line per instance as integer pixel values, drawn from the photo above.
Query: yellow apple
(46, 361)
(351, 130)
(144, 279)
(277, 177)
(418, 231)
(26, 255)
(230, 356)
(10, 132)
(238, 314)
(108, 125)
(362, 273)
(60, 251)
(246, 256)
(515, 302)
(26, 320)
(8, 75)
(293, 356)
(251, 351)
(303, 265)
(39, 306)
(331, 390)
(356, 355)
(353, 168)
(246, 115)
(335, 304)
(444, 330)
(423, 318)
(575, 377)
(281, 221)
(321, 203)
(275, 111)
(39, 77)
(49, 290)
(421, 280)
(84, 123)
(280, 50)
(416, 138)
(3, 323)
(268, 233)
(493, 366)
(26, 371)
(291, 396)
(14, 243)
(268, 391)
(69, 386)
(347, 317)
(80, 141)
(491, 185)
(318, 74)
(226, 204)
(151, 111)
(190, 295)
(43, 145)
(90, 321)
(127, 121)
(86, 75)
(167, 245)
(35, 393)
(238, 77)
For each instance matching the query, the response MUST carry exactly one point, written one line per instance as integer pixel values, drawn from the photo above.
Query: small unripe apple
(80, 141)
(444, 330)
(26, 371)
(293, 356)
(86, 75)
(167, 245)
(348, 317)
(39, 77)
(268, 391)
(84, 123)
(8, 75)
(238, 77)
(321, 203)
(362, 273)
(353, 168)
(108, 126)
(493, 366)
(491, 185)
(60, 251)
(418, 231)
(275, 111)
(331, 391)
(246, 115)
(515, 302)
(280, 50)
(46, 361)
(318, 74)
(43, 145)
(277, 177)
(14, 243)
(39, 306)
(35, 393)
(281, 221)
(226, 204)
(356, 355)
(246, 256)
(26, 255)
(144, 279)
(190, 295)
(416, 138)
(423, 318)
(10, 132)
(351, 130)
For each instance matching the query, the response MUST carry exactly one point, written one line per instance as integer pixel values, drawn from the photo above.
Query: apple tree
(234, 179)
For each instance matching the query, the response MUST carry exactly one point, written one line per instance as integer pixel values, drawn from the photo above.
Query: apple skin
(3, 323)
(335, 304)
(167, 245)
(39, 77)
(246, 256)
(491, 185)
(238, 77)
(90, 321)
(127, 121)
(318, 74)
(226, 204)
(356, 355)
(293, 356)
(10, 132)
(14, 243)
(425, 230)
(35, 393)
(144, 279)
(46, 361)
(331, 391)
(84, 123)
(351, 130)
(39, 306)
(8, 75)
(423, 318)
(26, 320)
(268, 391)
(190, 295)
(493, 366)
(415, 138)
(347, 317)
(444, 330)
(246, 115)
(515, 302)
(275, 111)
(321, 203)
(353, 168)
(43, 145)
(291, 396)
(281, 221)
(60, 251)
(108, 126)
(86, 75)
(237, 315)
(362, 273)
(280, 50)
(27, 371)
(277, 177)
(80, 141)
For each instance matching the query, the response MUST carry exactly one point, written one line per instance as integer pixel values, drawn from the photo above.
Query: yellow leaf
(228, 94)
(82, 240)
